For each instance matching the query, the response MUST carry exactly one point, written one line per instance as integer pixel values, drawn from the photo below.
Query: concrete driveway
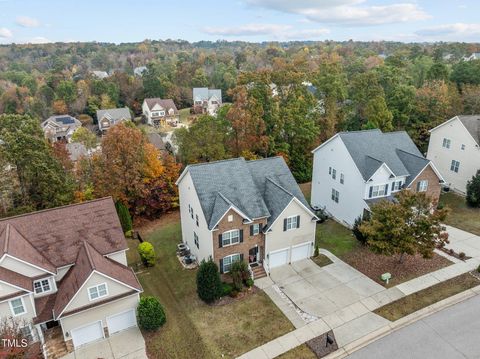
(127, 344)
(462, 241)
(320, 291)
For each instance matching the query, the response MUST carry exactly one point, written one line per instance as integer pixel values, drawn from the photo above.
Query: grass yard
(461, 215)
(322, 260)
(335, 238)
(300, 352)
(184, 115)
(426, 297)
(194, 329)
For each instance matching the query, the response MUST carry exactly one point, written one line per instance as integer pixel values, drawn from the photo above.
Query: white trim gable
(27, 263)
(383, 165)
(423, 169)
(240, 213)
(14, 286)
(461, 123)
(294, 199)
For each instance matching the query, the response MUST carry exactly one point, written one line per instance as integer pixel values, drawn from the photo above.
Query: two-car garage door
(290, 254)
(94, 331)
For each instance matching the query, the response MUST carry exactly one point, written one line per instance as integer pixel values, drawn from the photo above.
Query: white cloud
(26, 21)
(5, 33)
(451, 31)
(280, 32)
(38, 40)
(346, 12)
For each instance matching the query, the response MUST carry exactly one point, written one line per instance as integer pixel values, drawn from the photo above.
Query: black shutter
(386, 189)
(298, 221)
(284, 224)
(241, 235)
(418, 186)
(221, 266)
(370, 192)
(219, 241)
(241, 257)
(260, 227)
(251, 229)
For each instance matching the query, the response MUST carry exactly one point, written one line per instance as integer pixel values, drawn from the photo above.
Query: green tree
(124, 216)
(147, 253)
(66, 91)
(86, 137)
(151, 314)
(409, 226)
(378, 115)
(209, 285)
(473, 190)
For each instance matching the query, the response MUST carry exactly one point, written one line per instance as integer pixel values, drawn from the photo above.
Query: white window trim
(41, 286)
(379, 185)
(446, 143)
(230, 244)
(98, 291)
(394, 189)
(231, 261)
(23, 306)
(335, 194)
(291, 218)
(255, 232)
(422, 188)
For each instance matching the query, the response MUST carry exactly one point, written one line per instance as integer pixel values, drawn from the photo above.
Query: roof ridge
(7, 238)
(217, 161)
(373, 158)
(279, 186)
(358, 131)
(412, 154)
(264, 158)
(55, 208)
(89, 256)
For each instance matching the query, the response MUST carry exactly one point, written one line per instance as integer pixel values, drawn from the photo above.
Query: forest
(280, 99)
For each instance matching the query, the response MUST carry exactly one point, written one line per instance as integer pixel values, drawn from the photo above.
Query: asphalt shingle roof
(204, 93)
(115, 114)
(260, 188)
(371, 148)
(472, 124)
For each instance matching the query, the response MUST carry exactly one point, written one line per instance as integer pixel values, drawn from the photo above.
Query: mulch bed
(240, 296)
(319, 345)
(374, 265)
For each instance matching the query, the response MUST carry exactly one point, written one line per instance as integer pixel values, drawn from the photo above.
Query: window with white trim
(196, 219)
(422, 186)
(230, 237)
(342, 178)
(334, 173)
(329, 170)
(396, 186)
(378, 191)
(27, 333)
(255, 229)
(42, 286)
(292, 223)
(195, 240)
(98, 291)
(454, 166)
(230, 218)
(463, 147)
(228, 260)
(335, 195)
(446, 143)
(17, 307)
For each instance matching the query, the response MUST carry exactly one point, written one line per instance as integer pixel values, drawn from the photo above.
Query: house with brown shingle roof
(65, 269)
(159, 112)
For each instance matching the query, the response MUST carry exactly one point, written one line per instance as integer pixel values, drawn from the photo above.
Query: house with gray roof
(206, 100)
(245, 210)
(353, 170)
(454, 148)
(110, 117)
(160, 112)
(60, 128)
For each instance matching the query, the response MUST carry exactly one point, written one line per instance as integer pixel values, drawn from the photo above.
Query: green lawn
(335, 238)
(194, 329)
(184, 115)
(416, 301)
(300, 352)
(461, 216)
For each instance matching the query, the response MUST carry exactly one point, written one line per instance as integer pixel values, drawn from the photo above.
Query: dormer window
(98, 291)
(42, 286)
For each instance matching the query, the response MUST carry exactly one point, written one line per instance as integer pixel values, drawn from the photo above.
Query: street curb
(358, 344)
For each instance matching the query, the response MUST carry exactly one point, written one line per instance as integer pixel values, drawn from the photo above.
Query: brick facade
(248, 241)
(434, 188)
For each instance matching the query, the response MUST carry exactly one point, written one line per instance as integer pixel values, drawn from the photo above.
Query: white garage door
(301, 251)
(121, 321)
(87, 334)
(278, 258)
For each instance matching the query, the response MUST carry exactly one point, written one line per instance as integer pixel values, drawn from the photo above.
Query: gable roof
(89, 260)
(204, 93)
(167, 104)
(114, 114)
(58, 233)
(370, 149)
(16, 279)
(157, 140)
(472, 124)
(14, 244)
(257, 189)
(62, 121)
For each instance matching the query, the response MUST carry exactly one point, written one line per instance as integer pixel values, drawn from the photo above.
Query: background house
(60, 128)
(251, 210)
(206, 100)
(353, 170)
(64, 274)
(110, 117)
(454, 148)
(159, 112)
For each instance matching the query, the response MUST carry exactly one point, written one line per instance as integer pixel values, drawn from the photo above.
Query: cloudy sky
(118, 21)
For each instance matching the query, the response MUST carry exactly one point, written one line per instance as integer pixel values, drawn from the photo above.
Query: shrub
(151, 315)
(461, 255)
(473, 191)
(147, 253)
(209, 285)
(239, 272)
(249, 282)
(478, 269)
(129, 234)
(124, 216)
(226, 289)
(451, 251)
(316, 251)
(360, 236)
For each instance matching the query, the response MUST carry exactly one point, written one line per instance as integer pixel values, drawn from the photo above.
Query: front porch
(55, 346)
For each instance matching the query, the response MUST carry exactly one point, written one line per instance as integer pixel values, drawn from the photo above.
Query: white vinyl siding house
(454, 148)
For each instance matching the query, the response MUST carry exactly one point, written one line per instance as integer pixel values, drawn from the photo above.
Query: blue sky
(118, 21)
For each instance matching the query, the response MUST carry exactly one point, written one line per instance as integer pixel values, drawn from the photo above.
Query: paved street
(449, 334)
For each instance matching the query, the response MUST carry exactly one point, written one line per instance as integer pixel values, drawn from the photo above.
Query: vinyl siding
(22, 268)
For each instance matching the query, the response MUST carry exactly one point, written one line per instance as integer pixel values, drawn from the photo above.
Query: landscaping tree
(85, 136)
(473, 190)
(147, 253)
(359, 235)
(209, 285)
(124, 216)
(316, 251)
(239, 273)
(411, 225)
(151, 315)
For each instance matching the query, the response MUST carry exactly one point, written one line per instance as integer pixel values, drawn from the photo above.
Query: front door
(253, 255)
